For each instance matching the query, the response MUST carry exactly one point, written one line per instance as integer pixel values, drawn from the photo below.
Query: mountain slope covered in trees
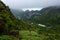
(7, 23)
(49, 16)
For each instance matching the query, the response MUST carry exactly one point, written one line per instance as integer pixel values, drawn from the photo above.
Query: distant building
(41, 25)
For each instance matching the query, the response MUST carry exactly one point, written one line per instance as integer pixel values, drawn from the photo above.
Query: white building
(41, 25)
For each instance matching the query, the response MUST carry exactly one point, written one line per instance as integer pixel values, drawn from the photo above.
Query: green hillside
(48, 16)
(7, 23)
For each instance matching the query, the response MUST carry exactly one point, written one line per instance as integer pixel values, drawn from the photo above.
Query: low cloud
(30, 3)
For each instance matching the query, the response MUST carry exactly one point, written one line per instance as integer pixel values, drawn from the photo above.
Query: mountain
(26, 28)
(48, 16)
(44, 16)
(26, 15)
(17, 13)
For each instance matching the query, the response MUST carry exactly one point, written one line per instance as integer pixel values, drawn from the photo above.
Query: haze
(23, 4)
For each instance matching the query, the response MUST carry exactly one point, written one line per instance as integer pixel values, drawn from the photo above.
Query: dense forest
(23, 25)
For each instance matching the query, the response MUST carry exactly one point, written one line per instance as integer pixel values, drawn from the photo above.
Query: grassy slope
(7, 22)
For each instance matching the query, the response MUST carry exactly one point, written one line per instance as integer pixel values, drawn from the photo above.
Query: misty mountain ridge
(29, 13)
(38, 14)
(34, 9)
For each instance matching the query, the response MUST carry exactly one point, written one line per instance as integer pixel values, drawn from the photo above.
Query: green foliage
(6, 37)
(29, 35)
(8, 22)
(32, 35)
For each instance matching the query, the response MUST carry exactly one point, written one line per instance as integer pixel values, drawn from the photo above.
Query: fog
(21, 4)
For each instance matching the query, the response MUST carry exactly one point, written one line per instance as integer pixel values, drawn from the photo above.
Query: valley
(41, 24)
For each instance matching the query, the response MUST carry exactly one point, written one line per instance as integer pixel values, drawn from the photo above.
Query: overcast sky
(30, 3)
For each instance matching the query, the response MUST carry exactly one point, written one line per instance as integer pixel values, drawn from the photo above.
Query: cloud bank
(30, 3)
